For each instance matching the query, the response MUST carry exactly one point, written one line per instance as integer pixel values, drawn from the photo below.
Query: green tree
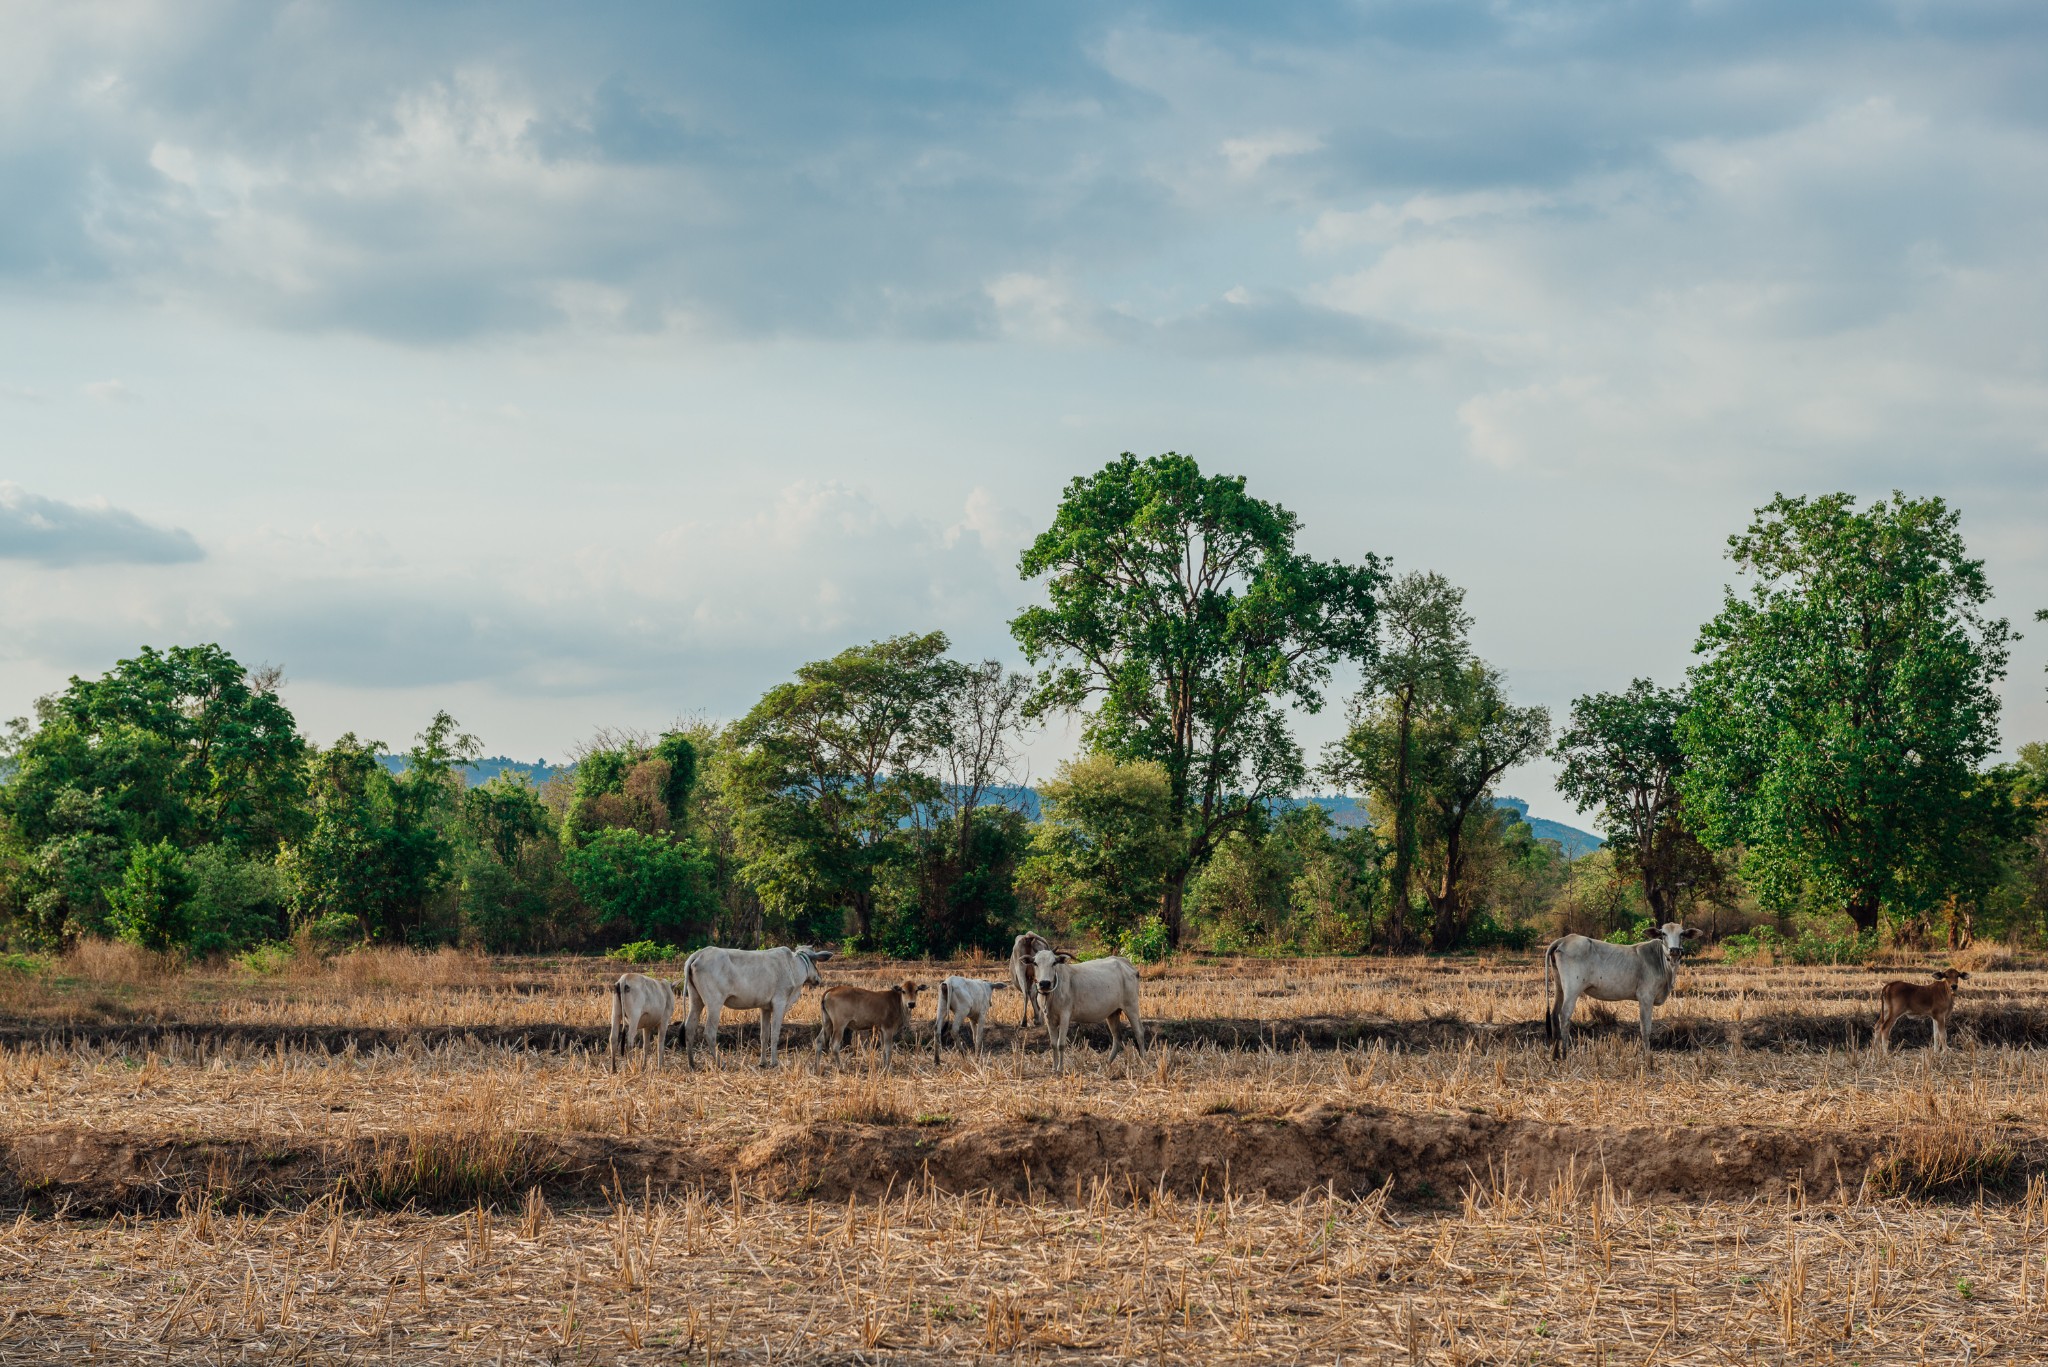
(1841, 709)
(1423, 629)
(237, 901)
(1470, 735)
(828, 769)
(381, 846)
(643, 886)
(1105, 844)
(181, 745)
(149, 906)
(1621, 755)
(1179, 609)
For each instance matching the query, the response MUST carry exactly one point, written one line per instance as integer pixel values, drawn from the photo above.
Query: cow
(1023, 965)
(848, 1010)
(641, 1008)
(1097, 992)
(964, 1001)
(764, 980)
(1576, 966)
(1933, 1000)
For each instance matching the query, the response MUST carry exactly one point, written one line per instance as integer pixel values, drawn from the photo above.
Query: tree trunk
(1449, 925)
(1862, 909)
(1396, 933)
(1170, 907)
(862, 920)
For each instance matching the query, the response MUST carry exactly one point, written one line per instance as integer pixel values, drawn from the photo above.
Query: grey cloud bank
(49, 531)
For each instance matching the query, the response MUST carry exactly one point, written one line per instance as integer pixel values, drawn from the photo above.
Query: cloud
(50, 531)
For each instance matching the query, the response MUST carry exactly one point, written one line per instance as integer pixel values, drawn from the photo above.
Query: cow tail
(690, 1010)
(1549, 994)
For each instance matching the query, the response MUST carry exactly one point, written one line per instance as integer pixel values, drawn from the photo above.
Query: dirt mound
(2008, 1026)
(1429, 1159)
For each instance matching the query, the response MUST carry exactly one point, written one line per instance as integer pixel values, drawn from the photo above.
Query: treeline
(1819, 782)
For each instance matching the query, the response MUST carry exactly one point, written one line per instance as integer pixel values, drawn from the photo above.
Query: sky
(572, 366)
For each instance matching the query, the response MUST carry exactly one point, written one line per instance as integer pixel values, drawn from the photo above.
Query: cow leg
(1940, 1034)
(1649, 1006)
(771, 1032)
(713, 1010)
(979, 1023)
(1881, 1037)
(1568, 1003)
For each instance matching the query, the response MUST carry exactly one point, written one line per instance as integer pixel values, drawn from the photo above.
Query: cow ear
(820, 955)
(1693, 932)
(1962, 975)
(1062, 956)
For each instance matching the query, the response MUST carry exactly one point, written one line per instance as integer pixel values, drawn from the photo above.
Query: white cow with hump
(1094, 993)
(765, 980)
(1576, 966)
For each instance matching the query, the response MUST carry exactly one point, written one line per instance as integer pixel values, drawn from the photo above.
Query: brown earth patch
(1428, 1159)
(1997, 1026)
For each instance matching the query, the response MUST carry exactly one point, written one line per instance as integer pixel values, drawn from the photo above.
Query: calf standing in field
(1609, 973)
(964, 1001)
(844, 1010)
(1023, 971)
(1096, 992)
(764, 980)
(1933, 1000)
(641, 1007)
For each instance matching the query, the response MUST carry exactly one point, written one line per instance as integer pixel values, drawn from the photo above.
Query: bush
(236, 902)
(265, 960)
(336, 930)
(1811, 945)
(645, 884)
(648, 952)
(1485, 931)
(149, 908)
(1146, 942)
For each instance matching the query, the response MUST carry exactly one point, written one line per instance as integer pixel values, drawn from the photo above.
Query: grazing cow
(964, 1001)
(1096, 992)
(764, 980)
(641, 1007)
(1023, 968)
(845, 1010)
(1933, 1000)
(1609, 973)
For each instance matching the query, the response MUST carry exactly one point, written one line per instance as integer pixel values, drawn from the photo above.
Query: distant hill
(1344, 811)
(1576, 844)
(484, 770)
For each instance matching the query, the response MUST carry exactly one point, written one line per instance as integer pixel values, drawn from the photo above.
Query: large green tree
(1842, 707)
(180, 745)
(827, 769)
(1471, 734)
(1423, 648)
(1621, 755)
(1105, 844)
(1181, 618)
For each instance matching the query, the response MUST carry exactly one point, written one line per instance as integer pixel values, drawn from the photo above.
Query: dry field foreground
(404, 1157)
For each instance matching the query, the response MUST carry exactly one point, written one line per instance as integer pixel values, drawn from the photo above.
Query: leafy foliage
(1841, 709)
(1179, 612)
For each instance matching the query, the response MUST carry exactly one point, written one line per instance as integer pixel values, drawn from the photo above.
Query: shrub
(149, 908)
(648, 952)
(333, 931)
(265, 960)
(1146, 942)
(236, 902)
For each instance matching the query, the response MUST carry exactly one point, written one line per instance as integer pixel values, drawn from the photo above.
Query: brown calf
(845, 1009)
(1934, 1000)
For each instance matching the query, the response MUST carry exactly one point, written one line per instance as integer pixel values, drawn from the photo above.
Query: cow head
(1045, 967)
(909, 990)
(1676, 937)
(810, 959)
(1949, 976)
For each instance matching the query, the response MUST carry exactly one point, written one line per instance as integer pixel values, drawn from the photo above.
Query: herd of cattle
(1062, 992)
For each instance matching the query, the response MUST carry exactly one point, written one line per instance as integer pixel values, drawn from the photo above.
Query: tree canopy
(1841, 708)
(1182, 619)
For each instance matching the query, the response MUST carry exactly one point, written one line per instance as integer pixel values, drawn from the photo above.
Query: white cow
(964, 1001)
(641, 1008)
(1023, 958)
(764, 980)
(1093, 993)
(1576, 966)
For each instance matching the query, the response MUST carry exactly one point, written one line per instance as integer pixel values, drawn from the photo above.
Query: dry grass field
(396, 1157)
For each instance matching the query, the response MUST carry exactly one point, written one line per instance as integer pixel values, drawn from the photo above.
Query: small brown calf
(1934, 1000)
(845, 1009)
